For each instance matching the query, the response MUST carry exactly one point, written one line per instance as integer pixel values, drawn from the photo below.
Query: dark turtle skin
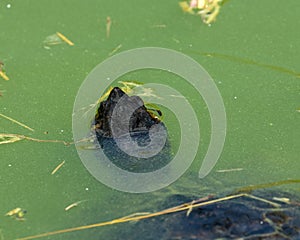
(240, 218)
(140, 123)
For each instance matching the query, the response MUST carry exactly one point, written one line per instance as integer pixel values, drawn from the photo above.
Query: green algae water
(251, 51)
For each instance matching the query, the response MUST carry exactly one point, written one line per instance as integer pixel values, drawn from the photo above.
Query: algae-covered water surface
(48, 48)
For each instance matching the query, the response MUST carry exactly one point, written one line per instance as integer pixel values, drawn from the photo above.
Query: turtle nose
(115, 94)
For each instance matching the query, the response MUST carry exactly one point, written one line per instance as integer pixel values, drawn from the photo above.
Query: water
(261, 103)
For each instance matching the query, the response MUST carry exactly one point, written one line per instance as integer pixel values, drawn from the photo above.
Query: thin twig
(11, 139)
(229, 170)
(58, 167)
(75, 204)
(18, 137)
(267, 185)
(115, 50)
(15, 121)
(108, 26)
(4, 76)
(64, 38)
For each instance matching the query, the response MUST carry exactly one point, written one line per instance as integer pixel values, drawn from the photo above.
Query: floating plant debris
(11, 138)
(229, 170)
(108, 26)
(207, 9)
(52, 40)
(249, 62)
(57, 38)
(117, 48)
(19, 213)
(15, 121)
(64, 38)
(75, 204)
(58, 167)
(2, 72)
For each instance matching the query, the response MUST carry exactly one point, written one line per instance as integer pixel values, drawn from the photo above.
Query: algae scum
(251, 51)
(249, 213)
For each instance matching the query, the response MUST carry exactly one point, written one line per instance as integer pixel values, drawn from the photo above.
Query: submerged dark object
(130, 136)
(240, 218)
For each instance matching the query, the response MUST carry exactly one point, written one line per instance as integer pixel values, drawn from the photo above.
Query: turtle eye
(151, 110)
(159, 112)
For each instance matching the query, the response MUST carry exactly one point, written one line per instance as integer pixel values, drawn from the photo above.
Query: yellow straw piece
(75, 204)
(115, 50)
(58, 167)
(64, 38)
(15, 121)
(108, 26)
(11, 138)
(8, 138)
(4, 76)
(13, 212)
(185, 7)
